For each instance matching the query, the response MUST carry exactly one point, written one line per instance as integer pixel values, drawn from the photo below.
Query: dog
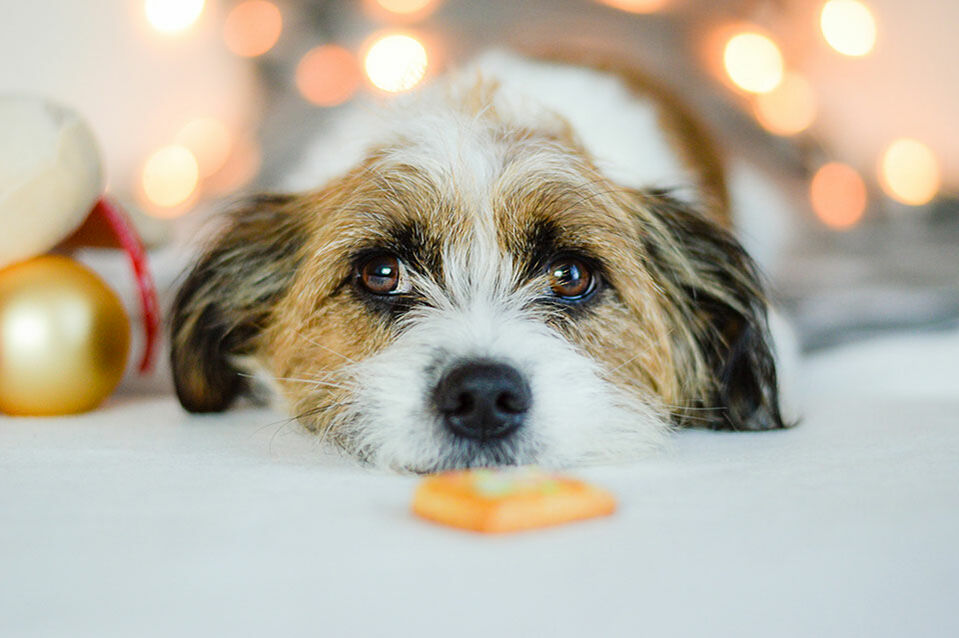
(528, 260)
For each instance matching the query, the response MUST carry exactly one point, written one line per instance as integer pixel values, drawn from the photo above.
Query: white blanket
(139, 520)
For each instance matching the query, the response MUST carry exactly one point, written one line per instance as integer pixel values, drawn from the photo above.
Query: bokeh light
(209, 140)
(753, 62)
(406, 6)
(909, 172)
(395, 11)
(252, 28)
(637, 6)
(788, 109)
(170, 176)
(328, 75)
(838, 195)
(848, 27)
(240, 168)
(396, 62)
(172, 16)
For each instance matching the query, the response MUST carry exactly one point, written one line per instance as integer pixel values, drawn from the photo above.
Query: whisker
(327, 348)
(280, 422)
(699, 419)
(315, 382)
(689, 408)
(275, 433)
(627, 362)
(330, 350)
(322, 408)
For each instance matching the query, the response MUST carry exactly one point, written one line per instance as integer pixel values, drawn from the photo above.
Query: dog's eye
(381, 274)
(570, 278)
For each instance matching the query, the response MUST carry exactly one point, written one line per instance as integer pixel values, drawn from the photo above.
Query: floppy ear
(718, 293)
(226, 298)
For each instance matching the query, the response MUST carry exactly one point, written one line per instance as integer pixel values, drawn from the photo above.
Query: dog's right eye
(381, 274)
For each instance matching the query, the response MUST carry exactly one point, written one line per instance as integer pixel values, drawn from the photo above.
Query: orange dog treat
(506, 500)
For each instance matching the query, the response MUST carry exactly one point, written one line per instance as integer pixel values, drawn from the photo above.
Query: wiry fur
(220, 310)
(475, 197)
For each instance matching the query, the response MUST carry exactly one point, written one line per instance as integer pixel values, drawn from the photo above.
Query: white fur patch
(620, 131)
(576, 415)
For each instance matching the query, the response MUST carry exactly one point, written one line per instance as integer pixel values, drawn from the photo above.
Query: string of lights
(206, 157)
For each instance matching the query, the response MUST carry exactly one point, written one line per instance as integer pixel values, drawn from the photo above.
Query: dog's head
(476, 292)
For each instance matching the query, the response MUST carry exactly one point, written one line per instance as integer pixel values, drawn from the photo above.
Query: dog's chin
(434, 449)
(463, 454)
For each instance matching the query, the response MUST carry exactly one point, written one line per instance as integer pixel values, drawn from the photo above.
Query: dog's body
(523, 262)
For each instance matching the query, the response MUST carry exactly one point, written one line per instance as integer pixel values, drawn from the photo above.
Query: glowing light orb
(172, 16)
(396, 63)
(170, 176)
(848, 27)
(636, 6)
(240, 168)
(405, 6)
(788, 109)
(909, 172)
(753, 62)
(327, 75)
(210, 142)
(838, 195)
(252, 28)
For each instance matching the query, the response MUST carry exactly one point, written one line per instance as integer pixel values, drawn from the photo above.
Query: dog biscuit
(506, 500)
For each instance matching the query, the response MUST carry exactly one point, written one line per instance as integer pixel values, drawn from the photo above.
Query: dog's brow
(546, 222)
(412, 243)
(540, 242)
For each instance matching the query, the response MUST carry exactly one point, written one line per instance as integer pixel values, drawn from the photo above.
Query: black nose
(483, 400)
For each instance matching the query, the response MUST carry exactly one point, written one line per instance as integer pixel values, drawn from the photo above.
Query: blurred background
(848, 107)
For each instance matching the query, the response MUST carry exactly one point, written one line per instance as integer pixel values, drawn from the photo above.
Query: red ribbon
(127, 236)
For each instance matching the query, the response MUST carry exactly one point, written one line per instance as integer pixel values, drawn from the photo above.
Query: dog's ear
(225, 299)
(717, 292)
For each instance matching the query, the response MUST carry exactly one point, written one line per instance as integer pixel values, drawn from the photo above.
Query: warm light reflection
(327, 75)
(209, 140)
(637, 6)
(252, 28)
(788, 109)
(848, 27)
(753, 62)
(396, 63)
(838, 195)
(240, 168)
(170, 176)
(909, 172)
(171, 16)
(29, 327)
(405, 6)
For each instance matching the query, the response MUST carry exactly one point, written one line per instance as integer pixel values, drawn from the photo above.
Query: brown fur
(681, 320)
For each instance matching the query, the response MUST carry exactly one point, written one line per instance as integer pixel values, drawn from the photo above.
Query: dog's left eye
(570, 278)
(382, 274)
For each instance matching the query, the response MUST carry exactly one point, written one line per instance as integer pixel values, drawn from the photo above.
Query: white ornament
(50, 176)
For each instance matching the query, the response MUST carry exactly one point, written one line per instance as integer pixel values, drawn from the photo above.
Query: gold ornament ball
(64, 338)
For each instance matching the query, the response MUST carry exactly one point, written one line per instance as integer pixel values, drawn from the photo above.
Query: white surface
(139, 520)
